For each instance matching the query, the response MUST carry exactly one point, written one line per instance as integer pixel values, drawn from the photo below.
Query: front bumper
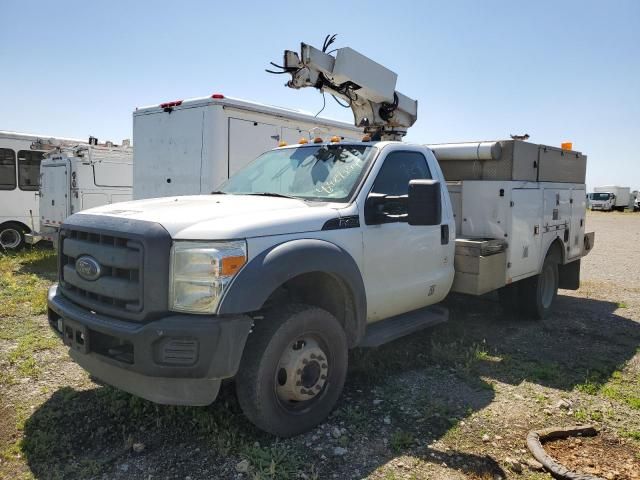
(176, 360)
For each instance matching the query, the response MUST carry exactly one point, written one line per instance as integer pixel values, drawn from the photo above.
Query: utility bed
(511, 200)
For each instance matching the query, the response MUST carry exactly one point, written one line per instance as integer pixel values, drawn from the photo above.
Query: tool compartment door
(525, 239)
(576, 226)
(54, 193)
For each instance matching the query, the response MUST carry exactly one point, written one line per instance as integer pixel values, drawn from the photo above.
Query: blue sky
(558, 70)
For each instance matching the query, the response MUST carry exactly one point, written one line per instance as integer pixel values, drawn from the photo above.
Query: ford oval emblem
(88, 268)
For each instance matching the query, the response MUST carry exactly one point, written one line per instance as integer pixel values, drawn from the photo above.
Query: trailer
(188, 147)
(80, 177)
(20, 157)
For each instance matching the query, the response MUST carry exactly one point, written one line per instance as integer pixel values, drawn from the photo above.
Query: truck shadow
(400, 402)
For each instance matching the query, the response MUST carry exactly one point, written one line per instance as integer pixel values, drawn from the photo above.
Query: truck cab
(604, 201)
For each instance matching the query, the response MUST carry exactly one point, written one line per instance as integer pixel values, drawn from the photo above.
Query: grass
(24, 279)
(74, 433)
(618, 387)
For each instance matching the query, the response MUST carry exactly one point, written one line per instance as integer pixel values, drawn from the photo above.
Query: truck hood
(222, 217)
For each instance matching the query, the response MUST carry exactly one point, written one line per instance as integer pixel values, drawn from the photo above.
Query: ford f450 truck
(307, 252)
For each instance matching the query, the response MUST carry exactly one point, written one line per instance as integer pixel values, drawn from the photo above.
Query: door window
(7, 169)
(29, 169)
(397, 170)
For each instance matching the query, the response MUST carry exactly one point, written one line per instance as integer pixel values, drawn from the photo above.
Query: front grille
(119, 286)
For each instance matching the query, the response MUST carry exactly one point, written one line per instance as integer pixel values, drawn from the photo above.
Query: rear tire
(538, 293)
(11, 236)
(293, 369)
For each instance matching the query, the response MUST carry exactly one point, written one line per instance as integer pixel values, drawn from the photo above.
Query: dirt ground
(452, 402)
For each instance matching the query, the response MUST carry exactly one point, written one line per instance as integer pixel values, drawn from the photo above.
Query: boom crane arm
(366, 86)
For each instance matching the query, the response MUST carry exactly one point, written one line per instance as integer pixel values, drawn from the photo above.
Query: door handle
(444, 234)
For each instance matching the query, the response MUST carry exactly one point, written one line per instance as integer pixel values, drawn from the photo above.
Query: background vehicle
(610, 197)
(188, 147)
(20, 157)
(634, 201)
(313, 249)
(81, 177)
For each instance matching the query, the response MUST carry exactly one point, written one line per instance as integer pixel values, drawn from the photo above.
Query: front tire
(11, 236)
(538, 293)
(293, 369)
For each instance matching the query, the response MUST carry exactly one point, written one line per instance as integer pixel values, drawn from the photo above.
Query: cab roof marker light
(217, 96)
(335, 139)
(303, 141)
(317, 140)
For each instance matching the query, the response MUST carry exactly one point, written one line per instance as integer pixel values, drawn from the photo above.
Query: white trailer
(188, 147)
(80, 177)
(20, 157)
(610, 197)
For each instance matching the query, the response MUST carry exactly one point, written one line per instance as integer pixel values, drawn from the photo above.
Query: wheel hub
(302, 371)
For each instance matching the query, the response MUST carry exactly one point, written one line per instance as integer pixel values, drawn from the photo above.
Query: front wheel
(538, 293)
(293, 369)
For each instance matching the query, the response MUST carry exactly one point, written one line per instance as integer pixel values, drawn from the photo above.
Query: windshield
(600, 196)
(315, 172)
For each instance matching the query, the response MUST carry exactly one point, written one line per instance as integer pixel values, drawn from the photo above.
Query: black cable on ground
(534, 442)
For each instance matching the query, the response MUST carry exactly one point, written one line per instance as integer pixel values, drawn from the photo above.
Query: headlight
(200, 273)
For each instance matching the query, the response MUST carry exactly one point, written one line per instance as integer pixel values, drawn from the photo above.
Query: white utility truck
(78, 177)
(187, 147)
(609, 198)
(20, 157)
(313, 249)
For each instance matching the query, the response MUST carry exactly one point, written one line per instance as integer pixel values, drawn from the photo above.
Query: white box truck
(310, 250)
(80, 177)
(189, 147)
(20, 157)
(610, 197)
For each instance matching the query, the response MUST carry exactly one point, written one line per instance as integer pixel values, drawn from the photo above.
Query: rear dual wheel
(293, 369)
(533, 297)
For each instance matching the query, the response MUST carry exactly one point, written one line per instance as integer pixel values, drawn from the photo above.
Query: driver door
(402, 263)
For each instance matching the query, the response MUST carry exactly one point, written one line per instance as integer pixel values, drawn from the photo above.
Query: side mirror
(374, 209)
(425, 202)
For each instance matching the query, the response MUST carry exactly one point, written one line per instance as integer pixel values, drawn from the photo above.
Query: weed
(622, 305)
(275, 461)
(592, 383)
(544, 372)
(401, 440)
(633, 434)
(353, 415)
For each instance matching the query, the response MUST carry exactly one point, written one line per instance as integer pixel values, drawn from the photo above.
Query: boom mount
(366, 86)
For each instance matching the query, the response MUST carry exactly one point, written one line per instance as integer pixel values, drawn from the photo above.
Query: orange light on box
(231, 265)
(302, 141)
(282, 143)
(335, 139)
(567, 145)
(317, 140)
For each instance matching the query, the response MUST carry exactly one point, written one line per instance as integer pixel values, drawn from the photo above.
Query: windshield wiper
(273, 194)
